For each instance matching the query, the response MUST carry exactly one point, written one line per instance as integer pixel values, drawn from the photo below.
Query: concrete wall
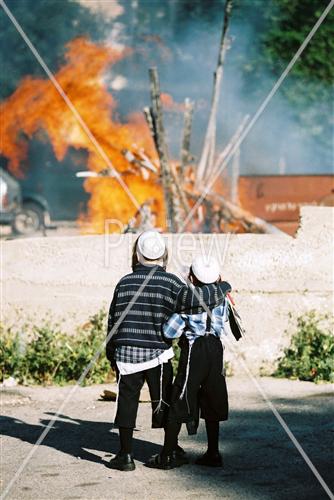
(272, 276)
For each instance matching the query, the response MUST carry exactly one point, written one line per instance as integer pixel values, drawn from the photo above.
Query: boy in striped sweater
(143, 301)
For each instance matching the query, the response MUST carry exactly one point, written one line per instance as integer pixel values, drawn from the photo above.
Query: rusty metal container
(277, 198)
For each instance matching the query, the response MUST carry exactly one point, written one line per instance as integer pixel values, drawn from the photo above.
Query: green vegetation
(310, 355)
(280, 28)
(46, 355)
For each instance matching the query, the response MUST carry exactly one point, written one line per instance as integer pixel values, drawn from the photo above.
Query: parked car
(26, 212)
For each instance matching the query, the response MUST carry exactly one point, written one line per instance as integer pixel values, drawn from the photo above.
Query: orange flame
(36, 105)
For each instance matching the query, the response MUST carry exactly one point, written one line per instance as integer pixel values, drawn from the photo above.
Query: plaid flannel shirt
(132, 354)
(194, 325)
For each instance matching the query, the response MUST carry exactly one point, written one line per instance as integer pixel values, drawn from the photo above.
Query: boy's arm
(191, 299)
(110, 347)
(174, 326)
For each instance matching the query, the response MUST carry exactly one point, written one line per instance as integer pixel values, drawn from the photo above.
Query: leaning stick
(208, 152)
(181, 193)
(159, 134)
(185, 149)
(149, 119)
(234, 192)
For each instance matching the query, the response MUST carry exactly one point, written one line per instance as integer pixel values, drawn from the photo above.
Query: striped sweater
(146, 298)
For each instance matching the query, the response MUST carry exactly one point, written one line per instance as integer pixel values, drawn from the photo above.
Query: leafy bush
(45, 354)
(311, 352)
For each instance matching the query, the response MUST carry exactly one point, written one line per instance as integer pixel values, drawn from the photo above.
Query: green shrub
(44, 354)
(311, 352)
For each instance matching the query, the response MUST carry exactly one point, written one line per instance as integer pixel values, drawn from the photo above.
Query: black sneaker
(166, 462)
(215, 460)
(122, 461)
(179, 451)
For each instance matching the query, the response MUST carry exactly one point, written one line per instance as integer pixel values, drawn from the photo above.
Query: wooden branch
(235, 177)
(182, 197)
(150, 122)
(159, 135)
(208, 152)
(185, 149)
(189, 107)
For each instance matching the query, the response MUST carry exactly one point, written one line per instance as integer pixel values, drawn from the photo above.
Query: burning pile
(36, 105)
(136, 183)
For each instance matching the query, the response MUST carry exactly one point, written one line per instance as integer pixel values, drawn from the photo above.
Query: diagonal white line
(70, 105)
(288, 431)
(74, 388)
(260, 110)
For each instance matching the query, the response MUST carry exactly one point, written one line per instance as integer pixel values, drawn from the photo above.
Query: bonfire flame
(37, 105)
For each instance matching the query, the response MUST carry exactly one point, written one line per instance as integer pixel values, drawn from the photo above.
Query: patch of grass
(310, 355)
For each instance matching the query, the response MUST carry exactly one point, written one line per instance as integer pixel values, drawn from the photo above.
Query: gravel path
(260, 460)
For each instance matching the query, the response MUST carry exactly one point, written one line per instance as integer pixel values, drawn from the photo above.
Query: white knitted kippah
(206, 269)
(151, 245)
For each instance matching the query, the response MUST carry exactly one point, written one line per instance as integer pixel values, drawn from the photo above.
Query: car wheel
(28, 219)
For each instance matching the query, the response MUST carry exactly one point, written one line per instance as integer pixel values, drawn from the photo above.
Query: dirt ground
(260, 460)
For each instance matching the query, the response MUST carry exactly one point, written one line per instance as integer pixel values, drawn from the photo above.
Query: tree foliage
(280, 28)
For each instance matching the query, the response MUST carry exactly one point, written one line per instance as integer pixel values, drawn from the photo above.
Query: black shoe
(122, 461)
(215, 460)
(180, 455)
(164, 462)
(179, 451)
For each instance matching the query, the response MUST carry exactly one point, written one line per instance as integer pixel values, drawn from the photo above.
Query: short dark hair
(134, 259)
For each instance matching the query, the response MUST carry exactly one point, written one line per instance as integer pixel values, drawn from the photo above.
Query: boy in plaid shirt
(200, 382)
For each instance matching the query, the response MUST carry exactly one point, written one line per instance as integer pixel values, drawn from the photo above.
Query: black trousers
(129, 392)
(206, 392)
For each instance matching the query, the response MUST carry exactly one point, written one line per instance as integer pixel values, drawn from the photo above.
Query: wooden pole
(208, 152)
(235, 177)
(149, 119)
(180, 191)
(185, 148)
(159, 133)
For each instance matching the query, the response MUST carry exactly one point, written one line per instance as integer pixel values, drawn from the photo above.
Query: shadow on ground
(73, 436)
(260, 459)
